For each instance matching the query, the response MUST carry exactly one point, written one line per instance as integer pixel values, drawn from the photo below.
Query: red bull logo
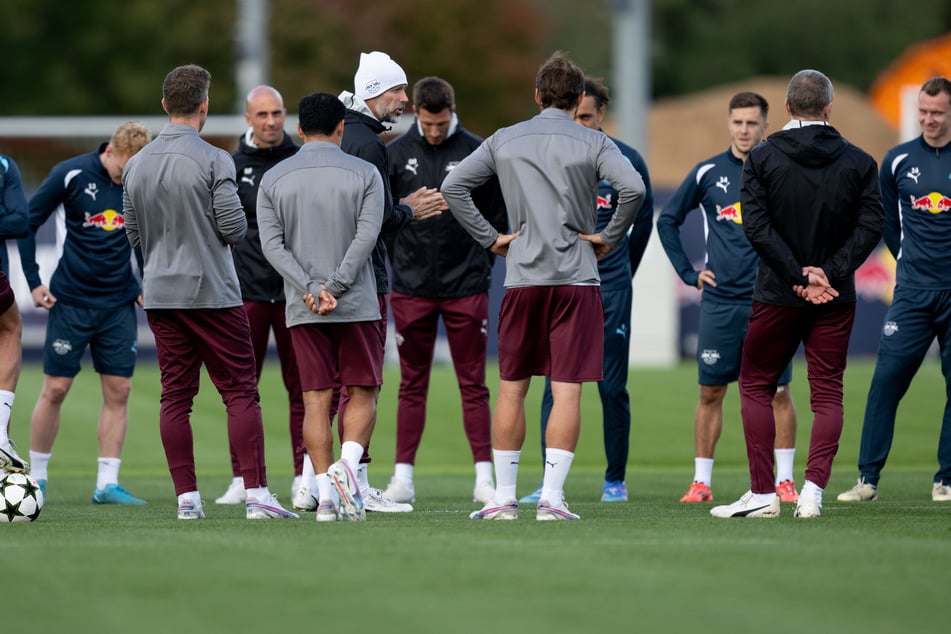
(108, 220)
(875, 279)
(604, 202)
(730, 212)
(935, 203)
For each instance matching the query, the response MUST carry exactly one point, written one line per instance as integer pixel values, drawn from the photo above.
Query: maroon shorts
(555, 331)
(6, 293)
(346, 352)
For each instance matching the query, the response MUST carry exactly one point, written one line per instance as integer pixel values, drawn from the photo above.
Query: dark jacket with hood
(437, 257)
(809, 198)
(259, 281)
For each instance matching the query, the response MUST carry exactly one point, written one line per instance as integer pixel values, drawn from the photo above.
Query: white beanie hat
(377, 74)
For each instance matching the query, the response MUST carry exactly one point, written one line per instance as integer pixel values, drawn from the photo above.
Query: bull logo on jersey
(723, 183)
(935, 203)
(92, 189)
(108, 220)
(412, 165)
(710, 356)
(890, 328)
(604, 202)
(730, 212)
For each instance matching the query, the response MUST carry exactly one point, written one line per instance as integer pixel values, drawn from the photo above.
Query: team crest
(62, 346)
(890, 328)
(372, 87)
(710, 356)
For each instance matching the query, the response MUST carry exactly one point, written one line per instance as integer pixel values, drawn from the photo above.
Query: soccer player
(813, 212)
(14, 223)
(319, 216)
(916, 192)
(726, 282)
(439, 271)
(91, 300)
(551, 322)
(182, 208)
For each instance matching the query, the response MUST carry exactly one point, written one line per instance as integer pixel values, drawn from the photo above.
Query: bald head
(265, 114)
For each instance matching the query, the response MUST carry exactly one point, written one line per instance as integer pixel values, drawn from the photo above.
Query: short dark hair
(559, 82)
(749, 100)
(433, 94)
(185, 88)
(808, 93)
(937, 85)
(320, 113)
(594, 87)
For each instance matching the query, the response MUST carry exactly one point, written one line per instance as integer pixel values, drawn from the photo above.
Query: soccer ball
(21, 499)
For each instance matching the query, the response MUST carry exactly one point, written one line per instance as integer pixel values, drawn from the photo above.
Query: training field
(652, 565)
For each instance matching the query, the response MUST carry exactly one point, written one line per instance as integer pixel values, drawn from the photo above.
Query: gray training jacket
(181, 206)
(549, 168)
(319, 216)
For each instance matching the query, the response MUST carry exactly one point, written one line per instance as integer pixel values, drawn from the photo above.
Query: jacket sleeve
(891, 227)
(672, 217)
(49, 195)
(13, 206)
(764, 238)
(230, 219)
(369, 221)
(471, 172)
(274, 246)
(631, 191)
(644, 221)
(866, 234)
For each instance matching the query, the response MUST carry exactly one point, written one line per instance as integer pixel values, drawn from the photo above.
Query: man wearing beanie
(379, 96)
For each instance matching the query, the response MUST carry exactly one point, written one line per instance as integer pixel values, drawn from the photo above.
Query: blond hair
(129, 138)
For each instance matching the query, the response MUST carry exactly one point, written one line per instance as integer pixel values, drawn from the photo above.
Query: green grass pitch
(651, 565)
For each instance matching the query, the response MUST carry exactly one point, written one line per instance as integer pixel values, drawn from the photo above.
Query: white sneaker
(303, 499)
(400, 490)
(493, 511)
(10, 461)
(809, 503)
(547, 512)
(190, 510)
(861, 492)
(295, 485)
(376, 500)
(941, 492)
(483, 492)
(267, 508)
(236, 493)
(327, 512)
(351, 502)
(749, 506)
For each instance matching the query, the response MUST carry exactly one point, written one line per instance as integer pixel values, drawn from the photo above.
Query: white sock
(39, 463)
(763, 498)
(108, 472)
(363, 480)
(190, 496)
(307, 473)
(557, 465)
(506, 473)
(703, 470)
(6, 407)
(784, 464)
(324, 488)
(404, 471)
(258, 493)
(351, 452)
(295, 485)
(809, 488)
(483, 471)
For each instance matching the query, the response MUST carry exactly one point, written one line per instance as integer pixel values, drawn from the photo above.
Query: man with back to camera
(551, 322)
(262, 146)
(616, 270)
(439, 271)
(726, 282)
(91, 301)
(182, 208)
(914, 178)
(813, 213)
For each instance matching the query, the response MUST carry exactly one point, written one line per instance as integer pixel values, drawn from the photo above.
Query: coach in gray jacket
(551, 321)
(181, 207)
(319, 216)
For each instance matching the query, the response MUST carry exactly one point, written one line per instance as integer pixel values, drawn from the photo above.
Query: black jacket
(809, 198)
(361, 139)
(436, 257)
(259, 281)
